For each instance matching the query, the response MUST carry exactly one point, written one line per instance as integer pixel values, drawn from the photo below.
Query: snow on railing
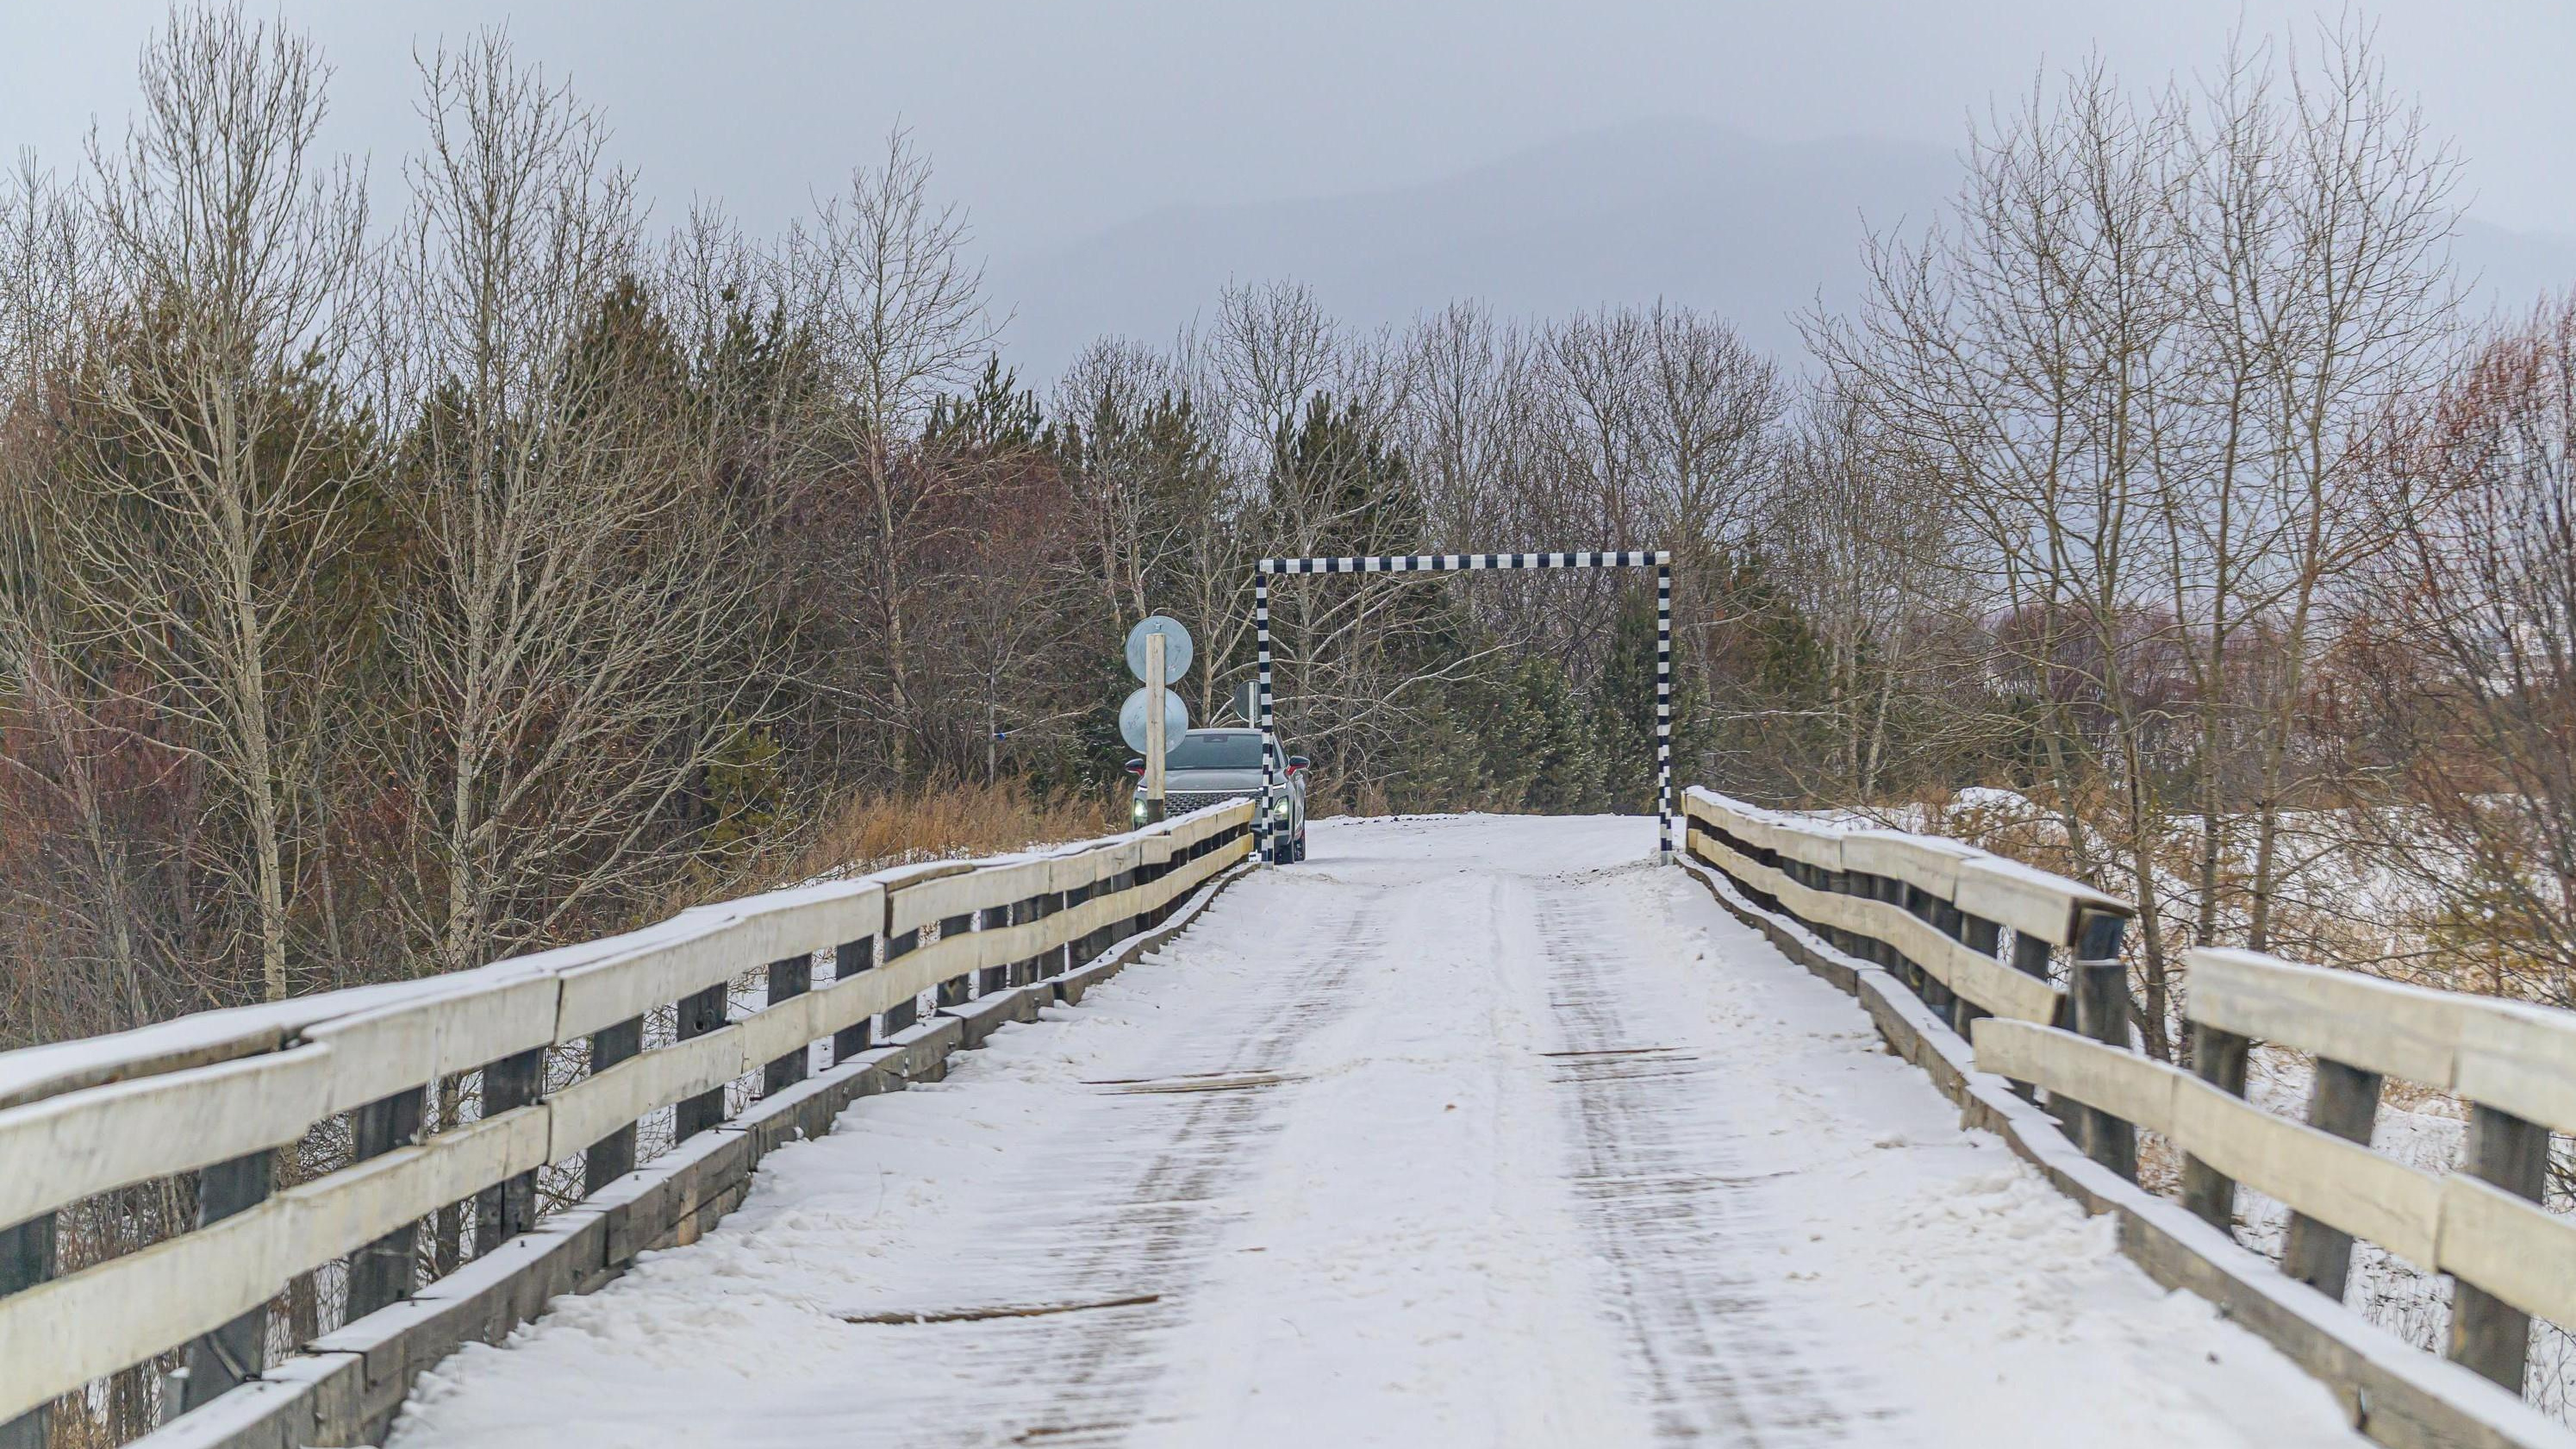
(1930, 912)
(219, 1096)
(2515, 1064)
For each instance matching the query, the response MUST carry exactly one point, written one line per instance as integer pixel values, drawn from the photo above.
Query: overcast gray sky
(1055, 120)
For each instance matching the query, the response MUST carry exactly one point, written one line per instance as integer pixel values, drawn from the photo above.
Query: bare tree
(882, 279)
(577, 645)
(213, 492)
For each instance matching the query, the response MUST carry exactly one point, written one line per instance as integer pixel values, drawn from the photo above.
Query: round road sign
(1176, 647)
(1131, 720)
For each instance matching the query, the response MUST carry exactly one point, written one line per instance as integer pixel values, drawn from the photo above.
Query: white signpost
(1158, 652)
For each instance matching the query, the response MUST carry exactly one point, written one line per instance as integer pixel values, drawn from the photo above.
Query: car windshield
(1215, 752)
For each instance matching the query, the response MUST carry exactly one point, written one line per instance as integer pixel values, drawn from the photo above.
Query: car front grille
(1177, 803)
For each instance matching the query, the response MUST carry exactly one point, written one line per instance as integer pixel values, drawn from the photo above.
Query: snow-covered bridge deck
(1473, 1131)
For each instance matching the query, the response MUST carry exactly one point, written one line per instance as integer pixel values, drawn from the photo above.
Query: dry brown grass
(939, 822)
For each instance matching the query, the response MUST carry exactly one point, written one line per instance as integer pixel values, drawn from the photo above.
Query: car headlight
(1282, 807)
(1137, 810)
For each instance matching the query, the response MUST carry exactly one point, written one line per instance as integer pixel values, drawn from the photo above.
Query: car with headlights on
(1211, 766)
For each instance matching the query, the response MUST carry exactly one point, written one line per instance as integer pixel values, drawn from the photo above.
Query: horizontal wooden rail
(205, 1095)
(1932, 910)
(2514, 1064)
(1845, 900)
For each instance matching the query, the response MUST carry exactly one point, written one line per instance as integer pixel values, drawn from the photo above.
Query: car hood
(1209, 782)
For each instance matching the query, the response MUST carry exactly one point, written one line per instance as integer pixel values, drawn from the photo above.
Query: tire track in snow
(1662, 1190)
(1095, 1369)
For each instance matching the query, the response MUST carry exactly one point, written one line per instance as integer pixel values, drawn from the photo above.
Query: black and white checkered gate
(1449, 563)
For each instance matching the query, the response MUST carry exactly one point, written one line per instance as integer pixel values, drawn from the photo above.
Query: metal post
(1155, 744)
(1663, 708)
(1261, 691)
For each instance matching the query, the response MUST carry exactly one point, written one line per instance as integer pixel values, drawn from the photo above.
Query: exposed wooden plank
(2341, 1183)
(2380, 1026)
(2517, 1057)
(1988, 983)
(101, 1138)
(2513, 1248)
(1928, 863)
(701, 948)
(2138, 1090)
(378, 1052)
(27, 1258)
(680, 963)
(2031, 901)
(596, 1105)
(62, 1334)
(612, 1156)
(1980, 978)
(590, 1109)
(912, 904)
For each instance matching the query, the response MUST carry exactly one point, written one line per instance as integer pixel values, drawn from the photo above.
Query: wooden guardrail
(217, 1096)
(1931, 914)
(1933, 910)
(2515, 1066)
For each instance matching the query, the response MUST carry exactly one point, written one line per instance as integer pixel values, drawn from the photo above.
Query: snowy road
(1466, 1132)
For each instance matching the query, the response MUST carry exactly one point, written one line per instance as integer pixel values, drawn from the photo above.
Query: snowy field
(1470, 1131)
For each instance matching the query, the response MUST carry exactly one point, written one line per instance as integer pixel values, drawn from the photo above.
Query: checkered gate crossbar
(1443, 563)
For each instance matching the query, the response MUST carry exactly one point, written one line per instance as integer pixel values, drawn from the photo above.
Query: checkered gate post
(1441, 563)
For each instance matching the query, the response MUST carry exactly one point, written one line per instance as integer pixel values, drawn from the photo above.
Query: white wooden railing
(2048, 1011)
(217, 1096)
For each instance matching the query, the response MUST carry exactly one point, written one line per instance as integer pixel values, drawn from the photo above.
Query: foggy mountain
(1754, 231)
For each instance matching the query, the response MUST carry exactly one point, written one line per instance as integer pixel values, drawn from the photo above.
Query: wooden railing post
(701, 1012)
(2489, 1335)
(1985, 938)
(27, 1256)
(2345, 1102)
(385, 1270)
(508, 1208)
(789, 977)
(1944, 918)
(2030, 958)
(996, 978)
(2218, 1058)
(612, 1156)
(901, 1015)
(1895, 893)
(849, 959)
(956, 990)
(1026, 971)
(238, 1350)
(2102, 1013)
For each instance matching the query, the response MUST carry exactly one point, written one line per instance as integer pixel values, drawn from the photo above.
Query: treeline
(387, 594)
(2164, 482)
